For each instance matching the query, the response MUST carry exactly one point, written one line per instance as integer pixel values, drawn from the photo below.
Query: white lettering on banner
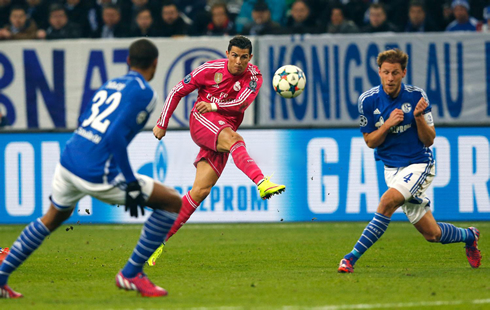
(442, 154)
(361, 163)
(323, 190)
(50, 155)
(473, 175)
(19, 179)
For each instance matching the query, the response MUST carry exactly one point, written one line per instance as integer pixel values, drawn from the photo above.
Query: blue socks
(152, 236)
(29, 240)
(453, 234)
(373, 231)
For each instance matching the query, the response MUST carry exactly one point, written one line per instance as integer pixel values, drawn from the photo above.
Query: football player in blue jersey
(396, 121)
(95, 162)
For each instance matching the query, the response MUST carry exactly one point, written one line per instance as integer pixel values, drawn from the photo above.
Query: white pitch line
(345, 307)
(397, 305)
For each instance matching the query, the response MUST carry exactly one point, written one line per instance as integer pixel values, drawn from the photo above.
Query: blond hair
(393, 56)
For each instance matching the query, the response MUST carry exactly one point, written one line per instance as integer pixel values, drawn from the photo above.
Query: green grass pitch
(252, 266)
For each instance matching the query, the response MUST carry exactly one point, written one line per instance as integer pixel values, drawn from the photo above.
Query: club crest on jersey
(141, 117)
(221, 122)
(406, 107)
(252, 85)
(187, 78)
(218, 77)
(237, 86)
(363, 121)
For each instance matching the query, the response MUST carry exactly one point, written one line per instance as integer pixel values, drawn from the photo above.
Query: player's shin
(29, 240)
(188, 207)
(373, 231)
(154, 231)
(245, 163)
(453, 234)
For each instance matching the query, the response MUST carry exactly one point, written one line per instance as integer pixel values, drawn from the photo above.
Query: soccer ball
(289, 81)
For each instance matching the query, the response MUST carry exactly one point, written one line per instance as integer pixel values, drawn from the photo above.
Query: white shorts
(68, 189)
(412, 182)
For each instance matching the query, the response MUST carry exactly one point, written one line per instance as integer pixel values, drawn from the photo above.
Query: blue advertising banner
(330, 175)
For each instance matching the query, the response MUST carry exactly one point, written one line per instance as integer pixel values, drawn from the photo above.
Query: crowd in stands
(62, 19)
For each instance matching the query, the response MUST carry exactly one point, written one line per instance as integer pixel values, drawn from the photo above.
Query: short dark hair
(393, 56)
(339, 7)
(260, 6)
(378, 6)
(143, 9)
(169, 3)
(420, 3)
(111, 6)
(56, 7)
(240, 42)
(17, 7)
(142, 53)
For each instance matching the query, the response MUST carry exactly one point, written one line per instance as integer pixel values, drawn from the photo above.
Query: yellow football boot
(153, 258)
(267, 189)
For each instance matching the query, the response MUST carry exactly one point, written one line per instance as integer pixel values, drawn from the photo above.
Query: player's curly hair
(142, 53)
(241, 42)
(393, 56)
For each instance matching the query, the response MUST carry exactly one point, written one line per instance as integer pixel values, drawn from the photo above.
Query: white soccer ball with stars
(289, 81)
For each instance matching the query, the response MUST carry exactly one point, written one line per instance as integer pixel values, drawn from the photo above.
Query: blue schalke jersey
(402, 146)
(97, 151)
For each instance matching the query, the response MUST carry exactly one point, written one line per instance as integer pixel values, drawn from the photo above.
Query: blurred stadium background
(311, 143)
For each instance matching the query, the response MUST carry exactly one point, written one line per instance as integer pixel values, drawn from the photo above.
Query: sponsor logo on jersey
(363, 121)
(406, 107)
(237, 86)
(252, 85)
(380, 122)
(400, 129)
(218, 77)
(376, 112)
(222, 98)
(187, 78)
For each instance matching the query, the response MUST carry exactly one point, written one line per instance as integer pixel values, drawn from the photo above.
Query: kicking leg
(29, 240)
(390, 201)
(230, 141)
(205, 179)
(448, 233)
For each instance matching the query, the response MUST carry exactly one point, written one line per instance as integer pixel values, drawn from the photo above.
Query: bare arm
(425, 132)
(377, 137)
